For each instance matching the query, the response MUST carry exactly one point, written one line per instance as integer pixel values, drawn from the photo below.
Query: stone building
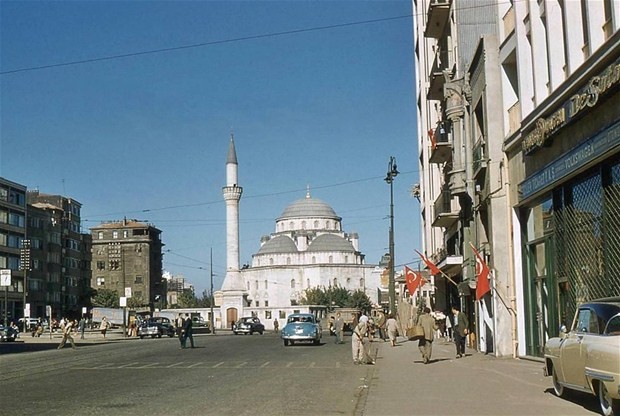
(127, 254)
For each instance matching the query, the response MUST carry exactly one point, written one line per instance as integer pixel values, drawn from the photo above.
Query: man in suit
(426, 343)
(188, 331)
(460, 330)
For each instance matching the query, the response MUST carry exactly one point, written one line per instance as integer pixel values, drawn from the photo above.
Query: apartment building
(127, 258)
(519, 145)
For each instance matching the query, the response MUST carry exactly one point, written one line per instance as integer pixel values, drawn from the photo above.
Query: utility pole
(211, 302)
(389, 178)
(25, 265)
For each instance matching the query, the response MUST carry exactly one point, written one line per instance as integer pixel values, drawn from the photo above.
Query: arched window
(348, 281)
(335, 281)
(288, 260)
(291, 225)
(303, 225)
(256, 284)
(292, 283)
(266, 284)
(308, 282)
(331, 259)
(316, 224)
(271, 261)
(313, 260)
(327, 224)
(346, 259)
(362, 283)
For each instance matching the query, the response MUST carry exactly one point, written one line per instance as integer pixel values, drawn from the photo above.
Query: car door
(573, 349)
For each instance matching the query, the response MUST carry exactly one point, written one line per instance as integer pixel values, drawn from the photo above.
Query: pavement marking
(195, 365)
(337, 364)
(103, 365)
(241, 365)
(175, 364)
(311, 364)
(290, 363)
(127, 365)
(218, 364)
(265, 364)
(148, 365)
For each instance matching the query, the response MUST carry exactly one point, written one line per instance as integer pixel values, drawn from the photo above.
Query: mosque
(308, 249)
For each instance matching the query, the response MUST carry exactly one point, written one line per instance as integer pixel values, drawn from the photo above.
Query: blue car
(301, 327)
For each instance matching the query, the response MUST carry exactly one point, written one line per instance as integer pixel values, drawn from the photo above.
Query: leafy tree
(337, 296)
(205, 300)
(360, 300)
(136, 302)
(314, 296)
(187, 299)
(106, 298)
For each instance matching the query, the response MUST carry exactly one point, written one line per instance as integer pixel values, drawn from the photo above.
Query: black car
(156, 327)
(248, 325)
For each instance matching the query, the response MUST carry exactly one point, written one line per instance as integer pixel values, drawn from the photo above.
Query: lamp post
(211, 300)
(389, 178)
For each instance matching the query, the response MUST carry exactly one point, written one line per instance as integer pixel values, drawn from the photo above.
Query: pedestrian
(276, 325)
(392, 329)
(188, 331)
(460, 330)
(449, 326)
(426, 342)
(339, 329)
(359, 342)
(381, 325)
(66, 334)
(179, 330)
(82, 327)
(105, 324)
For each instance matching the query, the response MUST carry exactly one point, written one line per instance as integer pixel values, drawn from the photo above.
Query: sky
(128, 108)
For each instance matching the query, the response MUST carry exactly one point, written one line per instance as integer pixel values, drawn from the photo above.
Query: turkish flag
(482, 273)
(413, 280)
(431, 266)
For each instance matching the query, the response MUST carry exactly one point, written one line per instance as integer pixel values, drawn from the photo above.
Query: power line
(204, 44)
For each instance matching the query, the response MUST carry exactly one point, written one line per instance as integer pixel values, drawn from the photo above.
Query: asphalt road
(224, 375)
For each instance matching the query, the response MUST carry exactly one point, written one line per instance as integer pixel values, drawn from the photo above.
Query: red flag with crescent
(413, 280)
(431, 266)
(482, 273)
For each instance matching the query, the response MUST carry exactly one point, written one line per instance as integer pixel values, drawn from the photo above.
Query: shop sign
(587, 97)
(571, 161)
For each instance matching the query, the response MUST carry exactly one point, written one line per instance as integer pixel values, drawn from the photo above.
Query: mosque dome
(330, 242)
(309, 208)
(279, 244)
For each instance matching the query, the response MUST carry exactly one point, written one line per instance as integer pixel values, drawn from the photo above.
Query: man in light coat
(426, 343)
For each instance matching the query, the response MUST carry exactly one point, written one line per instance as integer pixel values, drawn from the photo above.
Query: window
(267, 305)
(101, 265)
(313, 260)
(257, 303)
(100, 281)
(256, 284)
(292, 283)
(125, 233)
(115, 265)
(346, 259)
(335, 281)
(114, 234)
(587, 322)
(138, 280)
(362, 282)
(16, 219)
(266, 284)
(100, 235)
(288, 260)
(271, 261)
(303, 225)
(331, 259)
(267, 314)
(282, 314)
(613, 326)
(316, 224)
(138, 294)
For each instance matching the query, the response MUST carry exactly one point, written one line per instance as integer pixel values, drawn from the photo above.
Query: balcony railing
(446, 214)
(441, 144)
(479, 156)
(436, 18)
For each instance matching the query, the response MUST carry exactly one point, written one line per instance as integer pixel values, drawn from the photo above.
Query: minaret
(232, 194)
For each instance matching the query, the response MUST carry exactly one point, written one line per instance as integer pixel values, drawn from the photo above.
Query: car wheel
(251, 332)
(557, 387)
(286, 342)
(291, 342)
(316, 342)
(141, 336)
(152, 336)
(609, 406)
(158, 335)
(260, 332)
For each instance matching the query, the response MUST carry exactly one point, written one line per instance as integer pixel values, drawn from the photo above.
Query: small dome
(309, 208)
(279, 244)
(330, 242)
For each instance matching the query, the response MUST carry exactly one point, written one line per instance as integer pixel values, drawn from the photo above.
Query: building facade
(12, 233)
(127, 258)
(60, 256)
(519, 157)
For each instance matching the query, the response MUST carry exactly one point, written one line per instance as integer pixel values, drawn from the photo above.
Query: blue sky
(146, 136)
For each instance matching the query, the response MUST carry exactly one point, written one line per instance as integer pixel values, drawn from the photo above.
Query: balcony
(436, 18)
(480, 157)
(449, 263)
(441, 146)
(437, 77)
(446, 212)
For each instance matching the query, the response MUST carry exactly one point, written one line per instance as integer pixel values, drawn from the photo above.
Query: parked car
(156, 327)
(587, 358)
(8, 334)
(301, 327)
(248, 325)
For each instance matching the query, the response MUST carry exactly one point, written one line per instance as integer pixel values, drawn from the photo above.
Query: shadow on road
(585, 400)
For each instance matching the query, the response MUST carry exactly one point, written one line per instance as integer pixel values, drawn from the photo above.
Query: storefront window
(540, 220)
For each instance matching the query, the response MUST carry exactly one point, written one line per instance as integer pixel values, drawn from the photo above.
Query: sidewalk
(476, 384)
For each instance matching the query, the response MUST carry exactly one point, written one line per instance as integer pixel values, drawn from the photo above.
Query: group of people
(459, 323)
(70, 327)
(184, 330)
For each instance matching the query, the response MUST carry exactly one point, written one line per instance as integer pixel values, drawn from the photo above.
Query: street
(243, 375)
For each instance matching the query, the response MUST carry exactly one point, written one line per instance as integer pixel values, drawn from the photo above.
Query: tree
(338, 297)
(187, 299)
(106, 298)
(136, 302)
(314, 296)
(360, 300)
(205, 300)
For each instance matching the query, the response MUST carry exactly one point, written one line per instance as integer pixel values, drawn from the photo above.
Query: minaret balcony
(232, 193)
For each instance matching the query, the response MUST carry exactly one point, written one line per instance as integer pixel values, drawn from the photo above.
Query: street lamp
(389, 178)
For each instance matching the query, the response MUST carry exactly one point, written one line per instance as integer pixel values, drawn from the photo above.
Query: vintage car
(248, 325)
(156, 327)
(301, 327)
(588, 357)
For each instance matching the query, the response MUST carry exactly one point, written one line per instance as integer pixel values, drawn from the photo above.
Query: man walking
(339, 329)
(82, 327)
(426, 343)
(66, 335)
(460, 331)
(188, 332)
(180, 330)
